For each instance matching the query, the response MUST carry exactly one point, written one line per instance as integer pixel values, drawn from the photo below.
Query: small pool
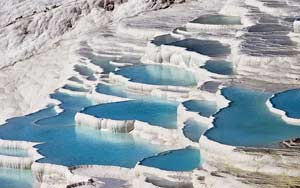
(194, 129)
(103, 62)
(248, 122)
(13, 152)
(74, 88)
(158, 75)
(158, 113)
(186, 159)
(218, 20)
(85, 71)
(16, 178)
(114, 90)
(66, 144)
(288, 101)
(268, 28)
(205, 47)
(164, 39)
(211, 86)
(204, 108)
(219, 67)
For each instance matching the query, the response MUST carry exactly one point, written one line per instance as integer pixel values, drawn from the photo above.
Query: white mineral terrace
(264, 48)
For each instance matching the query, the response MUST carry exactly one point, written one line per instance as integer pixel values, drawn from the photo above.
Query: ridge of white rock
(283, 115)
(16, 161)
(118, 126)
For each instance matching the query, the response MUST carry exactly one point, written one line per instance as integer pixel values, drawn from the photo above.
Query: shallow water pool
(158, 75)
(185, 159)
(218, 20)
(248, 121)
(209, 48)
(164, 39)
(158, 113)
(288, 101)
(204, 108)
(15, 178)
(13, 152)
(194, 129)
(219, 67)
(70, 145)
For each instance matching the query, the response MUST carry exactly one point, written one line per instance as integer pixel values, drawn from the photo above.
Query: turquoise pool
(248, 121)
(70, 145)
(15, 178)
(288, 101)
(158, 75)
(204, 108)
(219, 67)
(185, 159)
(158, 113)
(164, 39)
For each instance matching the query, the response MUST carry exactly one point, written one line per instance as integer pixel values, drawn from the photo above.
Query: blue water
(15, 178)
(75, 88)
(13, 152)
(205, 47)
(194, 129)
(205, 108)
(158, 75)
(219, 67)
(68, 144)
(102, 61)
(159, 113)
(248, 121)
(288, 101)
(218, 20)
(164, 39)
(85, 71)
(176, 160)
(114, 90)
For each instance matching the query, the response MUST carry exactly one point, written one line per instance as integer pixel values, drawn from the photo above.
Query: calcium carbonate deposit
(149, 94)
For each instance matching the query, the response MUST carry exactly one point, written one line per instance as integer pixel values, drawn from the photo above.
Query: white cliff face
(296, 26)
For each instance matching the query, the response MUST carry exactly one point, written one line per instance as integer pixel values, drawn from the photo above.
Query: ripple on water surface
(248, 121)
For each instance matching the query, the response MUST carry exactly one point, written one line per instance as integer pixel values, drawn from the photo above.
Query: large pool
(288, 101)
(248, 121)
(158, 75)
(67, 144)
(15, 178)
(218, 20)
(160, 113)
(185, 159)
